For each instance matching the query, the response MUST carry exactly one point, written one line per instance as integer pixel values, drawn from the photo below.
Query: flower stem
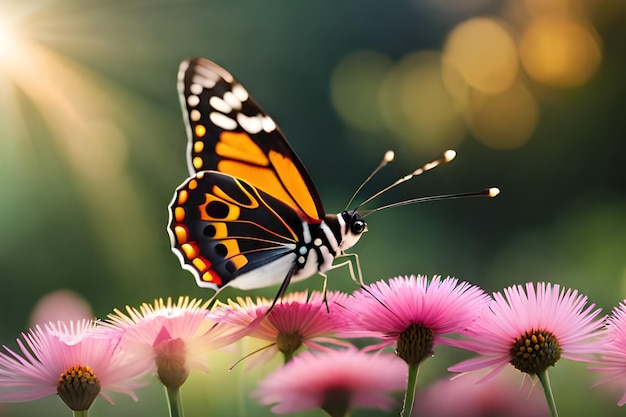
(411, 387)
(174, 401)
(547, 389)
(81, 413)
(288, 356)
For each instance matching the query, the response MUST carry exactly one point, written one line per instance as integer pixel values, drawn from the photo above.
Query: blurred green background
(530, 93)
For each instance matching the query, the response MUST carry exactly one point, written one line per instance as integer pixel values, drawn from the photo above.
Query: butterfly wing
(225, 229)
(228, 132)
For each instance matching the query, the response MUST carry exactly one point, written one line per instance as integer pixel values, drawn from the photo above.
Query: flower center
(535, 351)
(288, 343)
(337, 401)
(78, 387)
(415, 344)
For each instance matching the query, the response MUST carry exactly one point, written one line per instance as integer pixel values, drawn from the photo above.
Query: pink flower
(295, 320)
(75, 360)
(61, 305)
(171, 338)
(335, 381)
(532, 330)
(413, 313)
(613, 350)
(502, 397)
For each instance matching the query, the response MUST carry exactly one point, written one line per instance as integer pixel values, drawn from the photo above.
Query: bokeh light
(560, 51)
(355, 86)
(484, 53)
(9, 42)
(416, 106)
(60, 305)
(504, 121)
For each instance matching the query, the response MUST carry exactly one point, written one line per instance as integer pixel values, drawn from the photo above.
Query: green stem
(81, 413)
(547, 389)
(288, 356)
(411, 387)
(174, 401)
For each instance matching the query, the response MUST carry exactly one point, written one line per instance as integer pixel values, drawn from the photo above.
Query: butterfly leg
(325, 290)
(283, 289)
(354, 267)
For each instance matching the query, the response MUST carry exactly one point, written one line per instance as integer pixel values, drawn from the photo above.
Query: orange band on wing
(241, 147)
(263, 178)
(294, 183)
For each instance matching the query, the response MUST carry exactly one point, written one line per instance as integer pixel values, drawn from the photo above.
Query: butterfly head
(352, 227)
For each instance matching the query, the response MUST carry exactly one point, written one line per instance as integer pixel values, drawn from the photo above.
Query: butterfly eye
(358, 227)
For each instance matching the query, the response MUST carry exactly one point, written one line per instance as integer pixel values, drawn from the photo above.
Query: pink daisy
(499, 397)
(171, 338)
(532, 329)
(613, 350)
(412, 313)
(76, 361)
(336, 381)
(296, 320)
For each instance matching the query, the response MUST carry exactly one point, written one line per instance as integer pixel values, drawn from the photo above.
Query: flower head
(613, 350)
(296, 320)
(77, 360)
(171, 338)
(334, 380)
(532, 328)
(412, 312)
(502, 397)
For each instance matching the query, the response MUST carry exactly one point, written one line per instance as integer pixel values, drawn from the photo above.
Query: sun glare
(9, 42)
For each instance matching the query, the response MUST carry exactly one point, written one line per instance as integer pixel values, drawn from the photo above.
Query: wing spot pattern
(223, 121)
(195, 88)
(231, 99)
(240, 92)
(195, 115)
(181, 234)
(198, 146)
(217, 210)
(220, 105)
(183, 196)
(193, 100)
(179, 214)
(252, 124)
(197, 162)
(200, 130)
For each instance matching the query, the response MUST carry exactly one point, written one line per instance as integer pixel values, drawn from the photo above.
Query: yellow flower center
(78, 387)
(535, 351)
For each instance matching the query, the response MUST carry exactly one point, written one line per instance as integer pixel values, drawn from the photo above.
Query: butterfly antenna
(388, 157)
(489, 192)
(444, 159)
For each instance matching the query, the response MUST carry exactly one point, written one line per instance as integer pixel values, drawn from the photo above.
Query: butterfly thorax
(325, 240)
(347, 226)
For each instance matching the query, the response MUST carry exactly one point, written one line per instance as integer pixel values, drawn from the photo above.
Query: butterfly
(249, 215)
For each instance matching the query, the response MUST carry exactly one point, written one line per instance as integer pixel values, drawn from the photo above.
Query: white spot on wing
(240, 92)
(222, 121)
(195, 89)
(193, 100)
(203, 81)
(251, 125)
(220, 105)
(232, 100)
(268, 124)
(195, 115)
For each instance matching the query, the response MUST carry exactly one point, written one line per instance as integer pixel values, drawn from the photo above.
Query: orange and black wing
(225, 229)
(228, 132)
